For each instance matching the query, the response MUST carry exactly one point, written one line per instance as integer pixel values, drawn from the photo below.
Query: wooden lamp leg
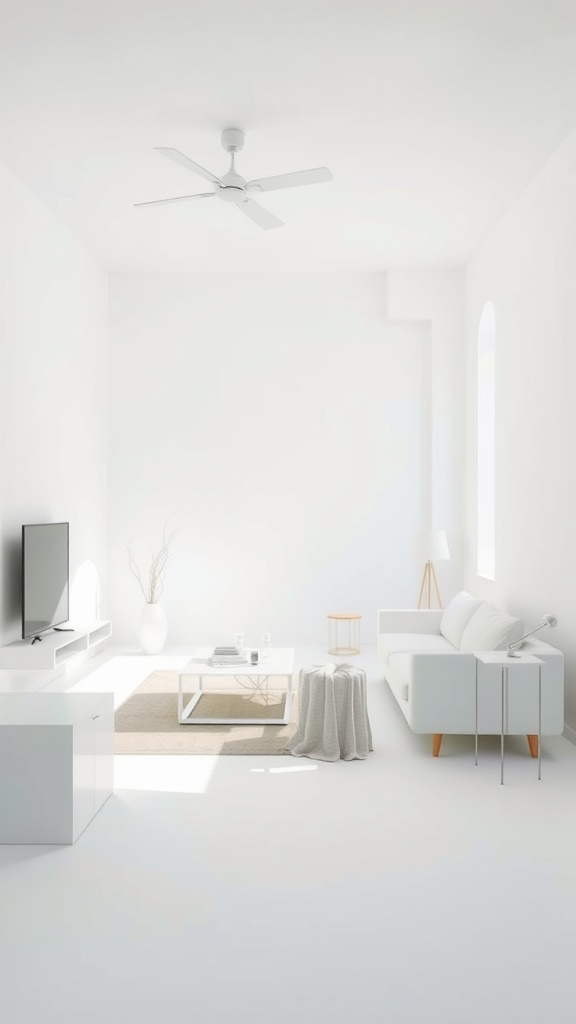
(533, 745)
(425, 585)
(428, 584)
(433, 572)
(421, 591)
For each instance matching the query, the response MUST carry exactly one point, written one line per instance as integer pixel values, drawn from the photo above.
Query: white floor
(401, 889)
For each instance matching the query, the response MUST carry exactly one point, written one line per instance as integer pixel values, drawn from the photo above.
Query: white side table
(504, 663)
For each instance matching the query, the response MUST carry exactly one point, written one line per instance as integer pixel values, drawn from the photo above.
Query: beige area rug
(147, 723)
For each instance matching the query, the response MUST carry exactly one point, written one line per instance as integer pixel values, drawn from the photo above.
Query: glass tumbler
(265, 645)
(239, 641)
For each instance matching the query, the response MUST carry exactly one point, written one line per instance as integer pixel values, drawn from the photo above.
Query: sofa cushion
(457, 616)
(490, 629)
(394, 643)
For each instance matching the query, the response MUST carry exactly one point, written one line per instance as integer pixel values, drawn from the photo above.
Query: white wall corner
(436, 295)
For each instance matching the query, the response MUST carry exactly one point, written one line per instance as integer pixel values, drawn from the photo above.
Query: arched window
(486, 445)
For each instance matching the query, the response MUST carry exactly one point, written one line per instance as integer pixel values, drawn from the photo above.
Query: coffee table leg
(180, 700)
(185, 712)
(288, 704)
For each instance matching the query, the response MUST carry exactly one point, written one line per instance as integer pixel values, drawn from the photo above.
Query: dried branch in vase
(154, 586)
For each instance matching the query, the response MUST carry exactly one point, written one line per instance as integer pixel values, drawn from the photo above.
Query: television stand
(55, 650)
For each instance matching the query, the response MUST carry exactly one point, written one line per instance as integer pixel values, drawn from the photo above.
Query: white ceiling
(433, 115)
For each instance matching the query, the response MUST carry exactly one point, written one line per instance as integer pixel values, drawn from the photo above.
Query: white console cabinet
(56, 764)
(54, 649)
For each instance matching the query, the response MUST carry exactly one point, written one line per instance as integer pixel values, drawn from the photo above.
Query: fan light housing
(232, 189)
(231, 193)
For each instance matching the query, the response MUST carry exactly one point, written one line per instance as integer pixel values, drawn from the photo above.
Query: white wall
(52, 396)
(276, 418)
(527, 267)
(435, 300)
(292, 432)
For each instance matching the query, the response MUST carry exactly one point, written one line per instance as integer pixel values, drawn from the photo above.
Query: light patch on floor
(163, 773)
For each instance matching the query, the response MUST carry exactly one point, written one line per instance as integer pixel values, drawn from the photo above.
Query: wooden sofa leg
(533, 745)
(437, 743)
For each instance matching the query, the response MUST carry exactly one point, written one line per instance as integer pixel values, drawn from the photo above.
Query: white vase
(152, 629)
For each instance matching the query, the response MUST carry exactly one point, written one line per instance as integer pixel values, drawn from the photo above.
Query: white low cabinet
(56, 764)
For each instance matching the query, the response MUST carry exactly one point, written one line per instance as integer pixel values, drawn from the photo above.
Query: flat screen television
(45, 577)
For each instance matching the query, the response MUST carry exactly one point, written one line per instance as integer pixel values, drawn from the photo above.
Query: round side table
(335, 645)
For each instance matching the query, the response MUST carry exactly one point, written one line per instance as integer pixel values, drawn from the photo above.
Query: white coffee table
(279, 663)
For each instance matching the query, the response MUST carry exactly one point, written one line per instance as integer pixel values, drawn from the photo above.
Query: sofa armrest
(441, 694)
(409, 620)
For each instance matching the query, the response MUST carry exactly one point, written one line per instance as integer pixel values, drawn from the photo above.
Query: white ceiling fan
(232, 188)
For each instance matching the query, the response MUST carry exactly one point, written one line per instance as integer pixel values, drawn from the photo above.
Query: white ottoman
(332, 716)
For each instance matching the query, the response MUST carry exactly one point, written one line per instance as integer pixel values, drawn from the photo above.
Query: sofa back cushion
(490, 629)
(457, 616)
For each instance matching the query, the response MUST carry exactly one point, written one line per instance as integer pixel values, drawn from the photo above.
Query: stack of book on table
(228, 656)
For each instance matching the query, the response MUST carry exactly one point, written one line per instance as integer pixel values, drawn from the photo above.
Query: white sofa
(427, 658)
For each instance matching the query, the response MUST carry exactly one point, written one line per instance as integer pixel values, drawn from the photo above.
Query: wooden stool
(353, 620)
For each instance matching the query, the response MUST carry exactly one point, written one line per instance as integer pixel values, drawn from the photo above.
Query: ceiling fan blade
(177, 199)
(259, 215)
(312, 177)
(191, 165)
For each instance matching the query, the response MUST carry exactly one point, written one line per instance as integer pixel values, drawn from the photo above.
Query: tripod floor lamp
(431, 546)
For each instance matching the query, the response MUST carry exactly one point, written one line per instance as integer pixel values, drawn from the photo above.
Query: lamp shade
(431, 546)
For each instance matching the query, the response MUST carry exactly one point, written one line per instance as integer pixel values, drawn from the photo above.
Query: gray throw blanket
(333, 716)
